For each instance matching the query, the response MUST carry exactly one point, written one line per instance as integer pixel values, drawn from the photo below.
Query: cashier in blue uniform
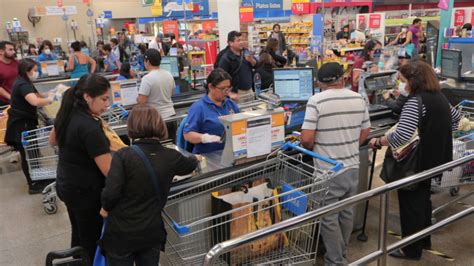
(203, 128)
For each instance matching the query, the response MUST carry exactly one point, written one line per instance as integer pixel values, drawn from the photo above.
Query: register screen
(293, 84)
(450, 64)
(170, 64)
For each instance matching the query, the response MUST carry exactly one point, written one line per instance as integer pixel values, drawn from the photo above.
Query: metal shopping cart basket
(115, 114)
(463, 145)
(194, 227)
(42, 162)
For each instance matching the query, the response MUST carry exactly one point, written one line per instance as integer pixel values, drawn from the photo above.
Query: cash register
(294, 86)
(375, 85)
(460, 85)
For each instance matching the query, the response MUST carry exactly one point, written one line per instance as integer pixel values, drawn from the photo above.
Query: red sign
(208, 25)
(171, 26)
(85, 1)
(361, 19)
(60, 3)
(374, 21)
(246, 14)
(459, 17)
(300, 8)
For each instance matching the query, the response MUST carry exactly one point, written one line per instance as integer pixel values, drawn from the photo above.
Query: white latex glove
(206, 138)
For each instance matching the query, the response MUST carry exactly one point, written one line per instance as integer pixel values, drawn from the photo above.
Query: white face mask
(47, 51)
(34, 76)
(404, 30)
(402, 88)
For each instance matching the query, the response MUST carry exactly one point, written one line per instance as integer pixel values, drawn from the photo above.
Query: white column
(228, 19)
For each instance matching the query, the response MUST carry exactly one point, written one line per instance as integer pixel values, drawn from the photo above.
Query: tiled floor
(27, 234)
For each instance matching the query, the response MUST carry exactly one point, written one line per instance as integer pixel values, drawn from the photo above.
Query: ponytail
(73, 98)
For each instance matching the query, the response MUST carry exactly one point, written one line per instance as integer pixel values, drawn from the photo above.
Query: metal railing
(381, 253)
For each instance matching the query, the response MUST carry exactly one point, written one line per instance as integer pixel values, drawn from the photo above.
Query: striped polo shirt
(337, 116)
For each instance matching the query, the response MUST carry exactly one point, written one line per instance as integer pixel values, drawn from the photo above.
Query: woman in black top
(135, 230)
(280, 37)
(265, 69)
(436, 149)
(84, 157)
(22, 115)
(272, 48)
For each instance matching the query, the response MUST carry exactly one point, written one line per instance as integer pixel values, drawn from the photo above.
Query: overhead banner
(157, 9)
(175, 8)
(246, 14)
(300, 7)
(259, 5)
(54, 10)
(171, 26)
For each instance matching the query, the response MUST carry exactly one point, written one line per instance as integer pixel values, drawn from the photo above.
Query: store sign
(472, 18)
(459, 16)
(246, 14)
(173, 8)
(361, 19)
(263, 4)
(300, 7)
(107, 14)
(374, 21)
(157, 8)
(171, 26)
(54, 10)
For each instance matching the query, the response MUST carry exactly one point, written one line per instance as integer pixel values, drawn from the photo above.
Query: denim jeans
(144, 257)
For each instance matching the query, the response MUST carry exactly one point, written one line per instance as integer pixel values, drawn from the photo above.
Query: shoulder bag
(393, 170)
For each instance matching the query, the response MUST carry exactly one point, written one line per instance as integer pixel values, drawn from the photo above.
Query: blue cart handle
(337, 165)
(464, 102)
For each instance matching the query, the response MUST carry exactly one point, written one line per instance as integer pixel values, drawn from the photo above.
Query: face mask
(404, 30)
(402, 88)
(47, 51)
(35, 76)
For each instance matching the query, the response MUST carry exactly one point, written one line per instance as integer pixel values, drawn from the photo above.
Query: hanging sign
(171, 26)
(260, 5)
(300, 7)
(374, 21)
(157, 9)
(54, 10)
(246, 14)
(472, 17)
(459, 16)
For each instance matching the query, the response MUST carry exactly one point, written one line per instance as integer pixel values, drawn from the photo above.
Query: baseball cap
(330, 72)
(153, 56)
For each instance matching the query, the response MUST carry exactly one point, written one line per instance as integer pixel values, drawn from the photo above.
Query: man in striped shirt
(335, 124)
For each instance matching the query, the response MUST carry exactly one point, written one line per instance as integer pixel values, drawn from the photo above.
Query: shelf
(297, 43)
(297, 32)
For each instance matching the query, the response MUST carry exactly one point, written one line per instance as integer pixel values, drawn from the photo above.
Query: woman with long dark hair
(84, 157)
(434, 119)
(272, 49)
(22, 116)
(368, 53)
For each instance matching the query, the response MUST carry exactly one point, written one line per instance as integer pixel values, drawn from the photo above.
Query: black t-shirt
(20, 89)
(342, 35)
(79, 179)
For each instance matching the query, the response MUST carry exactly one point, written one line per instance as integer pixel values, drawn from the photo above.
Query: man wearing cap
(335, 124)
(156, 89)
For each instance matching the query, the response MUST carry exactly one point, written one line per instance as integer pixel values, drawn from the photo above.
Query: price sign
(300, 8)
(459, 17)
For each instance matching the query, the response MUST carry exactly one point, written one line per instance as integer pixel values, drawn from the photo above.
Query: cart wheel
(433, 220)
(52, 200)
(454, 191)
(51, 209)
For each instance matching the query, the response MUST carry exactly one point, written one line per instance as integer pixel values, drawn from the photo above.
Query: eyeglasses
(227, 89)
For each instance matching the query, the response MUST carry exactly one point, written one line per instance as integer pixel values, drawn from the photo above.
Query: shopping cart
(194, 228)
(42, 162)
(463, 145)
(42, 158)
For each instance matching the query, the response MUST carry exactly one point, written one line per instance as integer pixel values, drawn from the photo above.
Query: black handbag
(393, 170)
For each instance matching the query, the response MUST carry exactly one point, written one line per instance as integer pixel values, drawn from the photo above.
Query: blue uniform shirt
(203, 118)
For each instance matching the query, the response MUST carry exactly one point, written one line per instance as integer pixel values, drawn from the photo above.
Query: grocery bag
(242, 220)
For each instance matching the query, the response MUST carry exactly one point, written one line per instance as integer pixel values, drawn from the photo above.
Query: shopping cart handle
(180, 228)
(337, 165)
(120, 107)
(464, 102)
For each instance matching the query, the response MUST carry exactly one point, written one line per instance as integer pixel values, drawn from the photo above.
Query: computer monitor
(293, 84)
(451, 64)
(170, 64)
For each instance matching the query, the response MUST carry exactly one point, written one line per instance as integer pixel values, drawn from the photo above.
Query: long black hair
(25, 66)
(92, 85)
(216, 77)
